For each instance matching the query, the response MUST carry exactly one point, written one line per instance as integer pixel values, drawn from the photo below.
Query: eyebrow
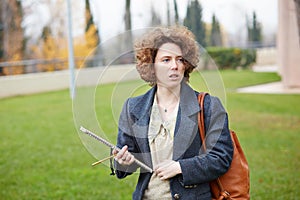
(168, 56)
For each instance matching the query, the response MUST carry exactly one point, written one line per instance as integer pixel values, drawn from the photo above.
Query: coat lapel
(142, 112)
(187, 124)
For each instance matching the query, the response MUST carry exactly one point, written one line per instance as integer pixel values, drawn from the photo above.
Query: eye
(180, 60)
(165, 60)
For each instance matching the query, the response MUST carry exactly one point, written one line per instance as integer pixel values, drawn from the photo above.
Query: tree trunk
(127, 16)
(11, 34)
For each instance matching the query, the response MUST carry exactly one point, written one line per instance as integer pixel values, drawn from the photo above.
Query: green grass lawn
(42, 156)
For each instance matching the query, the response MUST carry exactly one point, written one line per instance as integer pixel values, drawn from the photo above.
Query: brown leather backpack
(235, 183)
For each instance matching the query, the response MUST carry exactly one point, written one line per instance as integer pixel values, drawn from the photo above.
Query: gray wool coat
(198, 167)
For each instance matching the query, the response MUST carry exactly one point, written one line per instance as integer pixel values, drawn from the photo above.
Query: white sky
(230, 13)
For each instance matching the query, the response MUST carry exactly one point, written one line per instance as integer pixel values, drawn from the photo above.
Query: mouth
(173, 76)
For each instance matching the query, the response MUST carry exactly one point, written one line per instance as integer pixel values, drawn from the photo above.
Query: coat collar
(188, 102)
(186, 125)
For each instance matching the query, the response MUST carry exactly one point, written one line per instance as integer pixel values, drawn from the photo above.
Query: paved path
(269, 88)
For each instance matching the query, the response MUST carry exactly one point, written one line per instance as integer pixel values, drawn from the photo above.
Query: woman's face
(169, 66)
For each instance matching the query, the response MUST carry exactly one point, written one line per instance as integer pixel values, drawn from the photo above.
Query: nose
(174, 65)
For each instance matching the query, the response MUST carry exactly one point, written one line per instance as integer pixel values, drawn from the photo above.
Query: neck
(166, 97)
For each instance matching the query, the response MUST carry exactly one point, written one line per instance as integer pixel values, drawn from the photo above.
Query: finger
(121, 153)
(158, 173)
(158, 167)
(131, 160)
(120, 160)
(114, 152)
(162, 176)
(124, 149)
(164, 164)
(125, 155)
(124, 158)
(128, 155)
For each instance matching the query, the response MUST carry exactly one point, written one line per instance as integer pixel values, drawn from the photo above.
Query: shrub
(232, 57)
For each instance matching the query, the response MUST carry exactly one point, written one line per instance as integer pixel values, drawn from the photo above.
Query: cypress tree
(176, 12)
(254, 31)
(193, 21)
(168, 14)
(215, 36)
(155, 18)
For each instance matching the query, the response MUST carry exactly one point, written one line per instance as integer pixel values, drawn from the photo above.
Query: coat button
(176, 196)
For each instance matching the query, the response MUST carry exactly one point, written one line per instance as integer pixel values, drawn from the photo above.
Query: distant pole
(71, 51)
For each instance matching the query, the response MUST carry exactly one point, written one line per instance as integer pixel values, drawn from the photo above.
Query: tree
(193, 21)
(168, 14)
(2, 21)
(50, 48)
(92, 37)
(126, 41)
(176, 12)
(127, 16)
(155, 19)
(254, 31)
(12, 40)
(127, 19)
(215, 35)
(172, 19)
(91, 31)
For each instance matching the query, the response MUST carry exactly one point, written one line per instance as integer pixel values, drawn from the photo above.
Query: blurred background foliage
(21, 52)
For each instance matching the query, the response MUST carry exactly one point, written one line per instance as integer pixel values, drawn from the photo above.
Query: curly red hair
(147, 46)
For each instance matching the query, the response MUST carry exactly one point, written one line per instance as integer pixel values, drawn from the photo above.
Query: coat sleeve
(216, 160)
(125, 138)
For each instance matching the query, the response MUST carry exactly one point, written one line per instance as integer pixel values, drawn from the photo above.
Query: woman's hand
(123, 157)
(167, 169)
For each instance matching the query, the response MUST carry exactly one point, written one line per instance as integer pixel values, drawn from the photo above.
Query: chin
(170, 85)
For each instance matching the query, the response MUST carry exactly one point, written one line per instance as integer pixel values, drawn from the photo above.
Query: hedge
(232, 57)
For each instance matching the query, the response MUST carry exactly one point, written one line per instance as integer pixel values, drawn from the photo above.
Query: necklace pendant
(165, 110)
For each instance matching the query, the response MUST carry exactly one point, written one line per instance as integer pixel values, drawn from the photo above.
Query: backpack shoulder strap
(201, 97)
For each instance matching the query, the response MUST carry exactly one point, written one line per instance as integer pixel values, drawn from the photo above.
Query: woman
(160, 127)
